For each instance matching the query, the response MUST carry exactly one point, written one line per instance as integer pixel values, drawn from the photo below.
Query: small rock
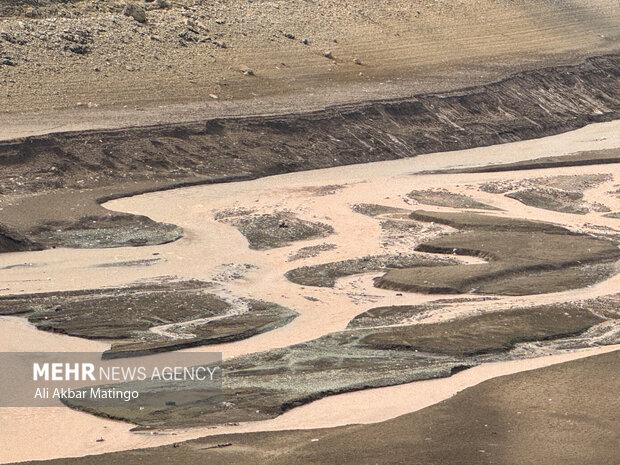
(357, 61)
(78, 49)
(136, 12)
(248, 72)
(188, 36)
(288, 35)
(305, 41)
(329, 55)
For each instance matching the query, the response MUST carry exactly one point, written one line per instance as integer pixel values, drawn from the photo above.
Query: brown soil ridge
(326, 274)
(525, 105)
(591, 157)
(10, 241)
(116, 163)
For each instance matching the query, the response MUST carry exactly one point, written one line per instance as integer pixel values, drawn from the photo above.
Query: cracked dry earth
(472, 284)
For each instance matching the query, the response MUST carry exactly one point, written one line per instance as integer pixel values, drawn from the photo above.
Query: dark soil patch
(577, 183)
(258, 318)
(551, 199)
(524, 258)
(143, 262)
(373, 210)
(11, 241)
(263, 385)
(232, 213)
(325, 275)
(130, 315)
(75, 218)
(114, 230)
(329, 189)
(444, 198)
(277, 230)
(465, 220)
(310, 251)
(492, 332)
(400, 314)
(386, 316)
(557, 193)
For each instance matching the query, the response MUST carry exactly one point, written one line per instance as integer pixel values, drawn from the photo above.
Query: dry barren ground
(83, 64)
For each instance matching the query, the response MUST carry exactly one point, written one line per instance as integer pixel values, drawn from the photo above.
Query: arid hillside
(182, 60)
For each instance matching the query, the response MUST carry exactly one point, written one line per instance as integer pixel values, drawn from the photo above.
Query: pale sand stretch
(208, 244)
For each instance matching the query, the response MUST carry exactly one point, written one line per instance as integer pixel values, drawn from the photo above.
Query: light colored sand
(208, 244)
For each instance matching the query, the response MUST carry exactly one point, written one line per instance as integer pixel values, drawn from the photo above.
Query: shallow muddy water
(208, 246)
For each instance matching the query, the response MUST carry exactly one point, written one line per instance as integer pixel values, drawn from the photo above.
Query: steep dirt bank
(526, 105)
(118, 162)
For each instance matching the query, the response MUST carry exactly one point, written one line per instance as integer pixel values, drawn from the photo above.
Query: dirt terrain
(276, 230)
(72, 172)
(94, 67)
(373, 210)
(326, 274)
(443, 198)
(523, 257)
(267, 384)
(563, 193)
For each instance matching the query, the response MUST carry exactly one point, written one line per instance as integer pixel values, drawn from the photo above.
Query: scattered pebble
(136, 12)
